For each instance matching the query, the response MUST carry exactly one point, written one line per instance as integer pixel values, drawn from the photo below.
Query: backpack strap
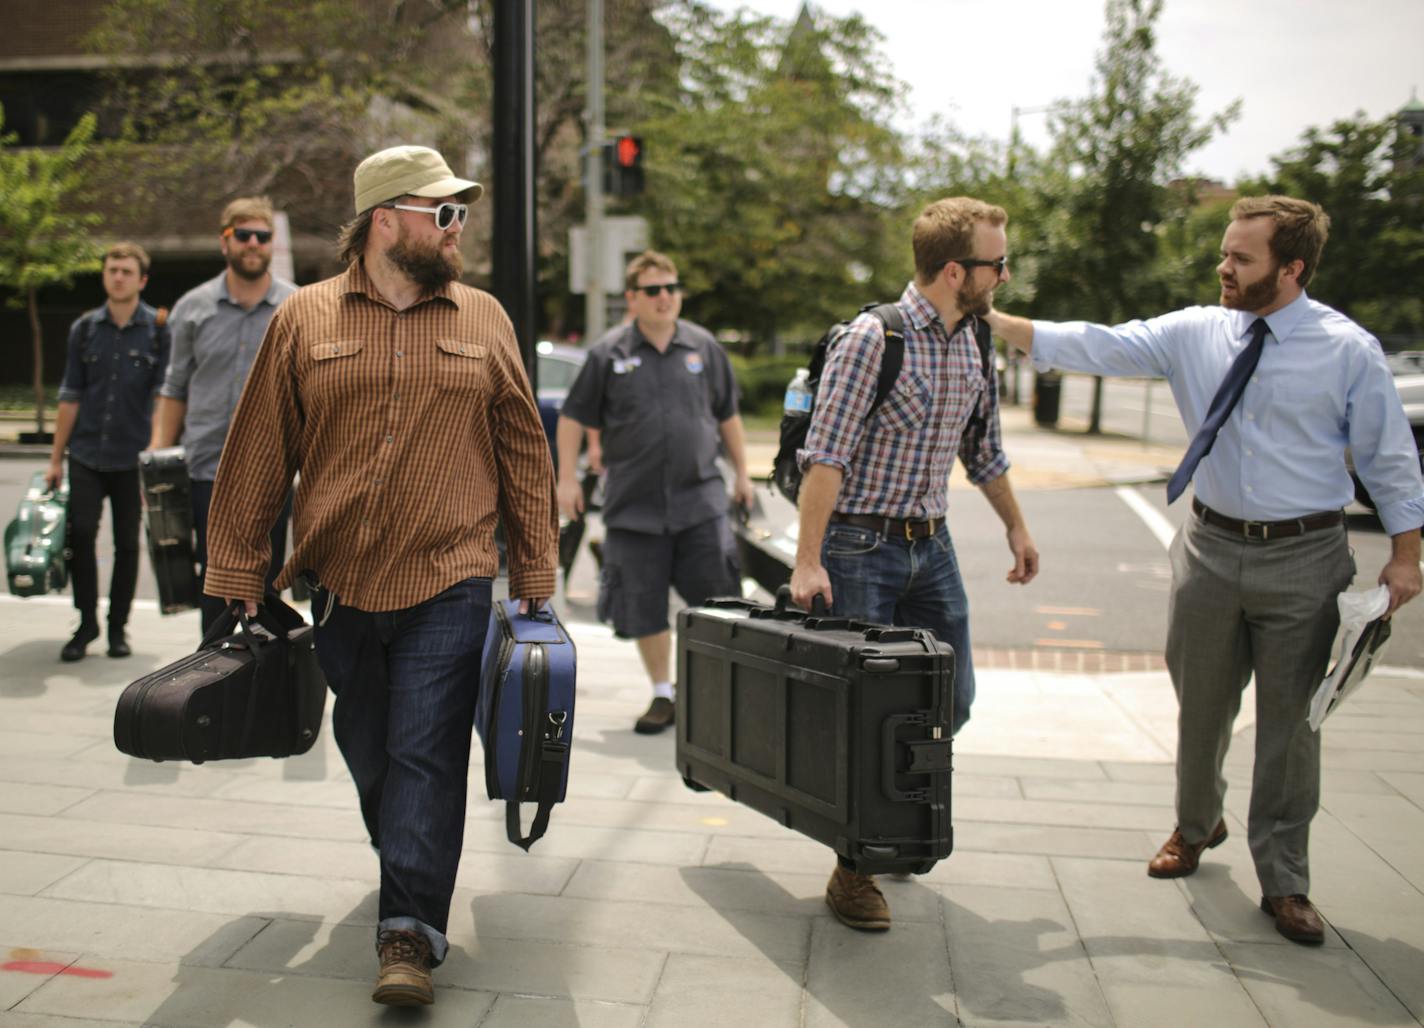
(894, 358)
(984, 336)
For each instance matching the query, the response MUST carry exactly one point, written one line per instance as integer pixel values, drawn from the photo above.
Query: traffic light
(623, 166)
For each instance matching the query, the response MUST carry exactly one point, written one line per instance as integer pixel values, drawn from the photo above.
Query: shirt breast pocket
(460, 366)
(335, 369)
(904, 410)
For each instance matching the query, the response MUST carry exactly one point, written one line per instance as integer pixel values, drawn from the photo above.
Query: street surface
(1102, 585)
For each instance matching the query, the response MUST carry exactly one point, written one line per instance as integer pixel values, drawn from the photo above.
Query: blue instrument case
(525, 713)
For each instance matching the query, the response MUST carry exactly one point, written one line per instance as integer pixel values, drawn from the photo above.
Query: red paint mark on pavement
(50, 967)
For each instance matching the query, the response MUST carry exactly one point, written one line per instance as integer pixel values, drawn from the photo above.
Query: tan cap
(408, 171)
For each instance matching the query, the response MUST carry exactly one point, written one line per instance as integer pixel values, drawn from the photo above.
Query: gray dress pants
(1265, 607)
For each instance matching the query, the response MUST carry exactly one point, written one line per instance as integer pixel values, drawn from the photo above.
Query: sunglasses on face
(970, 263)
(445, 215)
(672, 289)
(246, 235)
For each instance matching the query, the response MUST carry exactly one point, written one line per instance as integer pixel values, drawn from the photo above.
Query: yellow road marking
(1075, 644)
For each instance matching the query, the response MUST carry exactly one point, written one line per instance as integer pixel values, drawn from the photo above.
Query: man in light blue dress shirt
(1256, 569)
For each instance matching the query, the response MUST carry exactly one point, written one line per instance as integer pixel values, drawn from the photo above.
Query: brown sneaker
(1178, 858)
(404, 979)
(658, 717)
(857, 901)
(1296, 918)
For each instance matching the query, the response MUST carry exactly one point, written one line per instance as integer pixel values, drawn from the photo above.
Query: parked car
(558, 365)
(1408, 368)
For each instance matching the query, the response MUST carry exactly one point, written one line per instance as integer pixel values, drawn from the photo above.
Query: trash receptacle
(1047, 392)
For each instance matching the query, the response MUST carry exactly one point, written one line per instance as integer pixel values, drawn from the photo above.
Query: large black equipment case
(168, 519)
(253, 689)
(836, 728)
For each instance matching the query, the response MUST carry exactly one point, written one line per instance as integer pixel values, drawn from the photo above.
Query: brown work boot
(857, 901)
(659, 716)
(404, 979)
(1296, 918)
(1178, 858)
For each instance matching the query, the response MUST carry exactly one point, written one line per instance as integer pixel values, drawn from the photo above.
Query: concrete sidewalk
(244, 893)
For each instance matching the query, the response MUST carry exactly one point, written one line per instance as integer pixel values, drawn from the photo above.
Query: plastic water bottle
(798, 393)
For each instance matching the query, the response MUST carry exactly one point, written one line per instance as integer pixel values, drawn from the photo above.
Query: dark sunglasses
(445, 215)
(247, 235)
(673, 289)
(970, 263)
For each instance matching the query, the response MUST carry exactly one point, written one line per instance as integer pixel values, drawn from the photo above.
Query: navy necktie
(1222, 404)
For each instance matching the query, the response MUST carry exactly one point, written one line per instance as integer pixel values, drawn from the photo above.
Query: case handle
(927, 756)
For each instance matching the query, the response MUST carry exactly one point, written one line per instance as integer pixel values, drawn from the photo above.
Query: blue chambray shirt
(897, 463)
(1322, 385)
(112, 373)
(214, 344)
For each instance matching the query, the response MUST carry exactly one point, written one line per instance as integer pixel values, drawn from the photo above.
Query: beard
(1259, 294)
(428, 268)
(249, 264)
(975, 301)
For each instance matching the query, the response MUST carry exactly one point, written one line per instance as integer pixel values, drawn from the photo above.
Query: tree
(1364, 174)
(43, 239)
(1099, 213)
(772, 172)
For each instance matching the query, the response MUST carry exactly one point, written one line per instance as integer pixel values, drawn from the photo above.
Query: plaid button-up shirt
(412, 431)
(897, 463)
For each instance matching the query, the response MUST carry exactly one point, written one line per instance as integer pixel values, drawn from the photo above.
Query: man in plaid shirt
(873, 540)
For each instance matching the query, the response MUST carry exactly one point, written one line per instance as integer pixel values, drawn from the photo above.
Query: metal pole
(594, 303)
(515, 243)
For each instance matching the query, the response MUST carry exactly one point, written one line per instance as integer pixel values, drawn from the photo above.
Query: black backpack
(786, 473)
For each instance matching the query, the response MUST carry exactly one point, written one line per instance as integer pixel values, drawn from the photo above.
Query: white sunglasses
(445, 215)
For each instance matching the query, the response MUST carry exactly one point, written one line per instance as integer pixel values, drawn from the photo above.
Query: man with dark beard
(1274, 386)
(401, 396)
(217, 328)
(873, 539)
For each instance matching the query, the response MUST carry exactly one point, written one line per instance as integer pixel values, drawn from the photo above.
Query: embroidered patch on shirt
(694, 363)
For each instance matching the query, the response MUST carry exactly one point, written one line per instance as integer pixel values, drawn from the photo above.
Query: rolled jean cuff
(439, 946)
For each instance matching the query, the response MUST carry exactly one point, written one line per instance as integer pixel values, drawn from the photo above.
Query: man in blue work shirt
(661, 392)
(1274, 386)
(217, 329)
(116, 358)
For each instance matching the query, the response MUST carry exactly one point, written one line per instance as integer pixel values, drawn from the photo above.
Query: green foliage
(1100, 199)
(772, 170)
(44, 240)
(762, 381)
(1362, 173)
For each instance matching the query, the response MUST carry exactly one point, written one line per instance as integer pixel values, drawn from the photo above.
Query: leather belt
(890, 528)
(1269, 529)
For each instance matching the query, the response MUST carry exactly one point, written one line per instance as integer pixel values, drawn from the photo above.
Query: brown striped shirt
(412, 430)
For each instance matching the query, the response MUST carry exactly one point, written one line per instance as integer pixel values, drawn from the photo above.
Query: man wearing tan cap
(401, 396)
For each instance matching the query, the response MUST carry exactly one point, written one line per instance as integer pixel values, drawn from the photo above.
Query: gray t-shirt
(214, 344)
(660, 415)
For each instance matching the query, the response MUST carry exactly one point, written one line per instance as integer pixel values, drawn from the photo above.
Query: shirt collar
(632, 338)
(142, 315)
(267, 297)
(1281, 322)
(922, 313)
(358, 282)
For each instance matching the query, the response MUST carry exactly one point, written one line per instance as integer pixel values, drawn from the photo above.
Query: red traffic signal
(623, 166)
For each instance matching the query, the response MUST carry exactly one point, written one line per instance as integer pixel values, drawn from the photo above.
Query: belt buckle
(909, 530)
(1247, 526)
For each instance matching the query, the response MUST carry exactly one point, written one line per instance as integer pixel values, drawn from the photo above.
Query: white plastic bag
(1362, 642)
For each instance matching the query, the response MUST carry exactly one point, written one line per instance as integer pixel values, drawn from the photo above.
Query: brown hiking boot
(404, 979)
(857, 901)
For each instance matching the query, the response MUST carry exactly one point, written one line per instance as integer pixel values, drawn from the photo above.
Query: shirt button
(1249, 489)
(399, 353)
(390, 438)
(378, 481)
(395, 396)
(1250, 417)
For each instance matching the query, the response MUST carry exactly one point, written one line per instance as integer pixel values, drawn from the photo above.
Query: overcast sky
(1293, 63)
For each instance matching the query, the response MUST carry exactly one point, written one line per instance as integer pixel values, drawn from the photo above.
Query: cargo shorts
(639, 567)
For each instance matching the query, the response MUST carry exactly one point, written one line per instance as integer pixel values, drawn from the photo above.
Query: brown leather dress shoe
(404, 979)
(1178, 858)
(658, 717)
(857, 901)
(1296, 918)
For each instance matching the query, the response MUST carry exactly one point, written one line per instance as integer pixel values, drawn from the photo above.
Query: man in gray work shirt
(662, 393)
(217, 328)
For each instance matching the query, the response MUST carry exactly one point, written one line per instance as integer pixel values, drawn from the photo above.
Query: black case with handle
(253, 689)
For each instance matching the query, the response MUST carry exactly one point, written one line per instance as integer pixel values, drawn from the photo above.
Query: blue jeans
(406, 683)
(911, 583)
